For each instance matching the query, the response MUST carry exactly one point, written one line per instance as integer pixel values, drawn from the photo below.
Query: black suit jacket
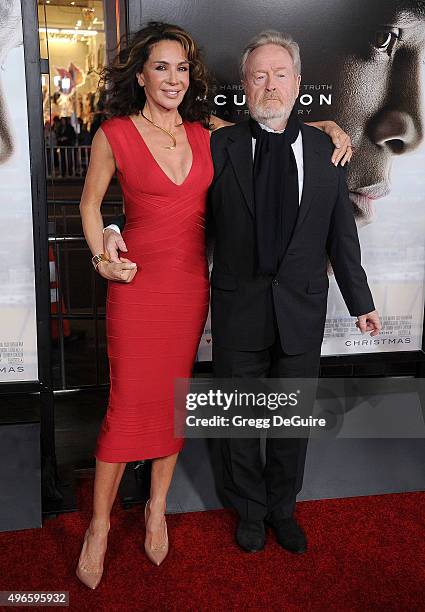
(245, 307)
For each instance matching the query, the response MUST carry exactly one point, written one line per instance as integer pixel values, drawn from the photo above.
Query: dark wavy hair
(121, 91)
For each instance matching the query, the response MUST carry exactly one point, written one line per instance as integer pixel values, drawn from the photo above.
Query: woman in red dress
(157, 140)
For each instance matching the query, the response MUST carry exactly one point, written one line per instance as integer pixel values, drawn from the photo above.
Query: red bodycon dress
(154, 323)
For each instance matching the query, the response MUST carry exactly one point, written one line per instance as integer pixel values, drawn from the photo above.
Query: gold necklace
(164, 130)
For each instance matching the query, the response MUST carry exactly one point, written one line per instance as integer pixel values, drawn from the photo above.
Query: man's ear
(298, 83)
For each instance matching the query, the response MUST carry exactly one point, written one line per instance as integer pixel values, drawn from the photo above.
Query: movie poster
(18, 337)
(363, 66)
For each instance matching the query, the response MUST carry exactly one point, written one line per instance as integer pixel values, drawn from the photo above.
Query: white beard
(260, 112)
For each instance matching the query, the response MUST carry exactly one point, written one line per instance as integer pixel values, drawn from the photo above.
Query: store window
(72, 36)
(76, 40)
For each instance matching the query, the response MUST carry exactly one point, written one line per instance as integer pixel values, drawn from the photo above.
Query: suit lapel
(240, 152)
(311, 177)
(311, 171)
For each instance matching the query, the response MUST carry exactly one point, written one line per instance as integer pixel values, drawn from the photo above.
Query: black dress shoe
(251, 535)
(289, 534)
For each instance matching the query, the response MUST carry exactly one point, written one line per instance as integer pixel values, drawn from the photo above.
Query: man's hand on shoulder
(369, 322)
(113, 242)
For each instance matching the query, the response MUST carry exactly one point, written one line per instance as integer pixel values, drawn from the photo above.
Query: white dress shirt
(297, 147)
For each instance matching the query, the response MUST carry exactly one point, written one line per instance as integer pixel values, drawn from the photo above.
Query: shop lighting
(70, 32)
(80, 32)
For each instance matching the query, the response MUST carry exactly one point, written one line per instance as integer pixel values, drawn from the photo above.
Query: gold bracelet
(96, 259)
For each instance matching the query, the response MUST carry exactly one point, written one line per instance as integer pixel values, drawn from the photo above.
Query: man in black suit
(278, 208)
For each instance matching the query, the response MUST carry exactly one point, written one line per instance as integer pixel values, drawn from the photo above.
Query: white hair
(272, 37)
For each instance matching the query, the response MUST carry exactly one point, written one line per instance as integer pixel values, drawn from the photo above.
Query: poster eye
(386, 39)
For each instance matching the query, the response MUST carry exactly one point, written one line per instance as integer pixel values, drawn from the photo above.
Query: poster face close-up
(18, 335)
(363, 66)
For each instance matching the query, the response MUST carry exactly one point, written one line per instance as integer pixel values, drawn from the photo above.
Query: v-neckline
(156, 161)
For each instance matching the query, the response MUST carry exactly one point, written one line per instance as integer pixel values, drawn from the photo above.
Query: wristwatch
(96, 259)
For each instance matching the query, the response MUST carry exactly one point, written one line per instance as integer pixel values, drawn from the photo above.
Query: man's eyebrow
(408, 17)
(266, 70)
(405, 13)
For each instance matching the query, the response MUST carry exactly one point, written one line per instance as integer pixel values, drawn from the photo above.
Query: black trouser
(255, 490)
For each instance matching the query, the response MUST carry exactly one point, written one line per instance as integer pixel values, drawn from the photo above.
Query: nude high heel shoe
(90, 577)
(156, 553)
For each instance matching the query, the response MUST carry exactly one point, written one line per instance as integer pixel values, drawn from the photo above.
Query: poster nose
(6, 144)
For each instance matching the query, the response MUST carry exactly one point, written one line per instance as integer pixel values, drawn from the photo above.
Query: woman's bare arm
(342, 142)
(99, 174)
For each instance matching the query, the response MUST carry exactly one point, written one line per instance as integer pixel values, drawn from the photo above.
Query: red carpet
(365, 554)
